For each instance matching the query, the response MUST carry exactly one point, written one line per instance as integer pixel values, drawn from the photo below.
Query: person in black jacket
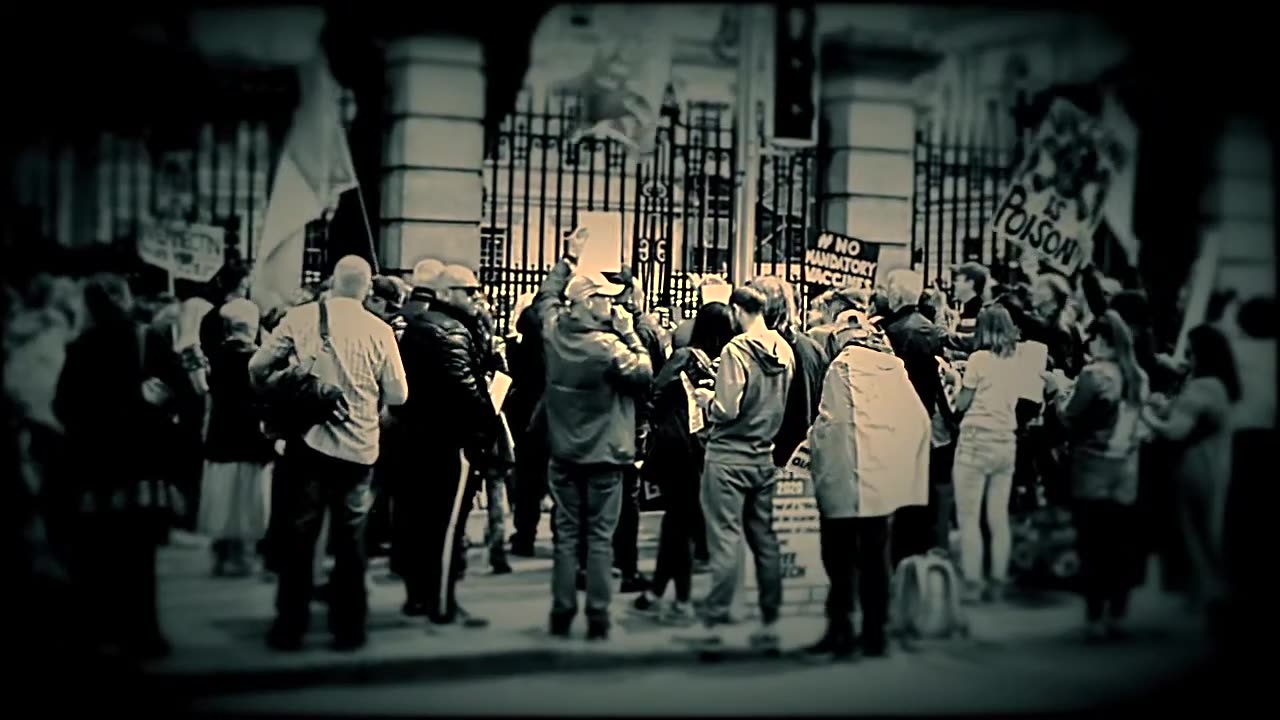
(919, 343)
(805, 391)
(429, 435)
(626, 538)
(528, 382)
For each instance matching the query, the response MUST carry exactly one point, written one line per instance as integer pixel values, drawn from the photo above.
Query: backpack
(925, 599)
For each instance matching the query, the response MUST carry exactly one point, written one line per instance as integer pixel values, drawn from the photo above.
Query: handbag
(296, 399)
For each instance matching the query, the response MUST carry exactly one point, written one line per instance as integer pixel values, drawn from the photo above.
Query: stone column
(870, 107)
(432, 184)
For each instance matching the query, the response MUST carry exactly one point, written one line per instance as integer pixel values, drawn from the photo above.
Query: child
(237, 468)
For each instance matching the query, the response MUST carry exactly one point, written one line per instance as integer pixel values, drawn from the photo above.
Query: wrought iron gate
(674, 211)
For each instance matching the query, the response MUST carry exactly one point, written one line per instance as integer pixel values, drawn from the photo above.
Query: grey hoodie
(751, 395)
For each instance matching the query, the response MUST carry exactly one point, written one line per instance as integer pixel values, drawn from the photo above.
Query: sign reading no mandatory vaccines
(835, 261)
(1056, 199)
(797, 523)
(187, 251)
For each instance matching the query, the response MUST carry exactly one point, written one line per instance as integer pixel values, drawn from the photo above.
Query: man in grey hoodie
(744, 414)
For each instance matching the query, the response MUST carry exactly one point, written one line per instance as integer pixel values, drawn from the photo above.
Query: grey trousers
(734, 497)
(588, 499)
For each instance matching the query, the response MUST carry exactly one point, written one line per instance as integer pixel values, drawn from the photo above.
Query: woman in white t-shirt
(986, 449)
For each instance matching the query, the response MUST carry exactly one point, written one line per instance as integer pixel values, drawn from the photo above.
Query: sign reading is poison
(1056, 199)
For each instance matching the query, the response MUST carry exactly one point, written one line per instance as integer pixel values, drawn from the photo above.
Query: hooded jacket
(751, 398)
(870, 444)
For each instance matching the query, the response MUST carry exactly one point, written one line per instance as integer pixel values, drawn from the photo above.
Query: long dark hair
(712, 329)
(1112, 329)
(1213, 358)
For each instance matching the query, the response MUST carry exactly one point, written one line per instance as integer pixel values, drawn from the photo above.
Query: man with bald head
(330, 466)
(453, 416)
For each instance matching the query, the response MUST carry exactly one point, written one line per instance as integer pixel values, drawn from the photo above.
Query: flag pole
(368, 229)
(748, 156)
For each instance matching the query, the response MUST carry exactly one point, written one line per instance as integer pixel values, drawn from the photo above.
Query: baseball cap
(588, 285)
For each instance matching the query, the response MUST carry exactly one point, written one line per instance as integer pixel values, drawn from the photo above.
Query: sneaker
(765, 638)
(634, 584)
(646, 603)
(678, 614)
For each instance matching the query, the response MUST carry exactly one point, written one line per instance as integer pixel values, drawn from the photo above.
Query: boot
(836, 641)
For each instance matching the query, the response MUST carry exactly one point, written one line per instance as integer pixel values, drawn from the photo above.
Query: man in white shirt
(330, 466)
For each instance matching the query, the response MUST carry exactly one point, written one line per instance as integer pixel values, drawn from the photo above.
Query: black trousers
(313, 482)
(626, 538)
(428, 525)
(1106, 537)
(531, 487)
(474, 485)
(857, 546)
(676, 542)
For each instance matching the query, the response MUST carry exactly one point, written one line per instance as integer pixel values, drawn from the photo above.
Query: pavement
(217, 627)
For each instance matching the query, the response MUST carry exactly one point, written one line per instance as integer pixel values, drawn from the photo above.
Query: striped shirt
(368, 370)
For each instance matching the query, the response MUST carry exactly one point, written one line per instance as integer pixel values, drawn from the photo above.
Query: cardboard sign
(835, 261)
(1057, 196)
(696, 420)
(1032, 359)
(499, 387)
(186, 251)
(797, 522)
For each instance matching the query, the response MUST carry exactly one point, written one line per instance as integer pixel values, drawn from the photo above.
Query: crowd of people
(360, 415)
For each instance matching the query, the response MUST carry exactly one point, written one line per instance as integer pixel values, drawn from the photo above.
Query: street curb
(373, 671)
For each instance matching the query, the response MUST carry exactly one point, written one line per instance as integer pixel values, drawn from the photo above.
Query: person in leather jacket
(429, 437)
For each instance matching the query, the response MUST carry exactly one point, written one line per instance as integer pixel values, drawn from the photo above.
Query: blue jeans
(589, 495)
(734, 497)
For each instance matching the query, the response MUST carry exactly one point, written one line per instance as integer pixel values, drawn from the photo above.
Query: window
(493, 243)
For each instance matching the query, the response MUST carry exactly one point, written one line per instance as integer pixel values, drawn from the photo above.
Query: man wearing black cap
(453, 417)
(596, 368)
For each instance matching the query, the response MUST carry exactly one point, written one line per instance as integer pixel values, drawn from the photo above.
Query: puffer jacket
(870, 444)
(594, 378)
(440, 354)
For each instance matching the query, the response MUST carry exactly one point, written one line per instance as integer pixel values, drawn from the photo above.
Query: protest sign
(798, 524)
(1057, 196)
(187, 251)
(835, 261)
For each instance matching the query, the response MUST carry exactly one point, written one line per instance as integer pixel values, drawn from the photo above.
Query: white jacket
(870, 442)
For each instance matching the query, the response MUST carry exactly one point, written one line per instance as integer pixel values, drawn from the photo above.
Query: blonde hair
(996, 331)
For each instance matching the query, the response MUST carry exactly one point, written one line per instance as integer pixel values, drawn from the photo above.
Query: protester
(1198, 423)
(986, 451)
(499, 468)
(918, 343)
(597, 367)
(684, 331)
(969, 283)
(676, 454)
(804, 392)
(843, 310)
(626, 539)
(113, 415)
(870, 460)
(330, 467)
(745, 414)
(1102, 415)
(528, 425)
(455, 415)
(238, 455)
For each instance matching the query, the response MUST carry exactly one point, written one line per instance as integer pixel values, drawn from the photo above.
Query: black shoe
(634, 584)
(874, 646)
(501, 567)
(467, 620)
(824, 646)
(597, 630)
(560, 625)
(320, 594)
(522, 550)
(349, 643)
(414, 609)
(582, 582)
(644, 603)
(282, 640)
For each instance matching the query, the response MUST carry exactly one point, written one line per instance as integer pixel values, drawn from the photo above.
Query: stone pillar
(432, 184)
(870, 107)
